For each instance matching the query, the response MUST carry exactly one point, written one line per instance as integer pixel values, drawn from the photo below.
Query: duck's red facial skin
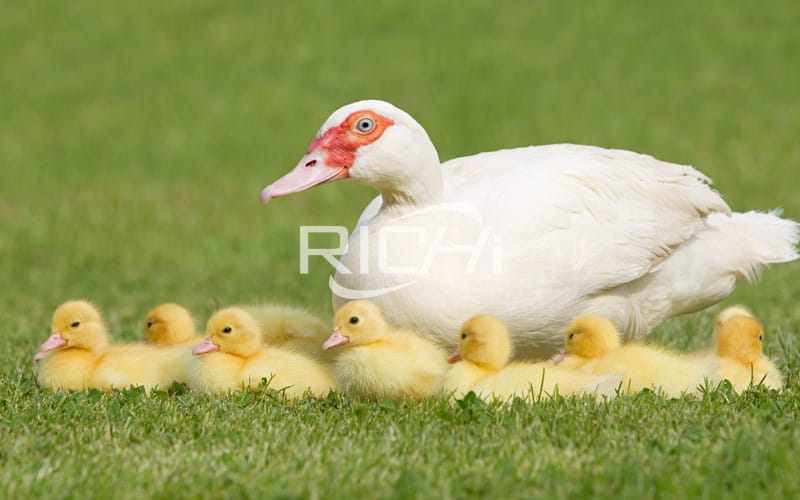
(330, 156)
(340, 143)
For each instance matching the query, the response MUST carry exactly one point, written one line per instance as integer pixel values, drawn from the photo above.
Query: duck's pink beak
(205, 347)
(558, 358)
(455, 357)
(311, 171)
(334, 340)
(54, 342)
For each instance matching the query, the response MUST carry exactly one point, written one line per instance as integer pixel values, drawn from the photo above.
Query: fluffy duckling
(738, 344)
(380, 361)
(480, 364)
(292, 328)
(169, 325)
(78, 355)
(593, 345)
(233, 357)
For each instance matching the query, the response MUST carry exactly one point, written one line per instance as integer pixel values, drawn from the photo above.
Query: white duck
(537, 235)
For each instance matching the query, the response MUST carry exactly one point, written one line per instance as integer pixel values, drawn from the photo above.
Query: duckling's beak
(558, 358)
(206, 346)
(311, 171)
(455, 357)
(54, 342)
(334, 340)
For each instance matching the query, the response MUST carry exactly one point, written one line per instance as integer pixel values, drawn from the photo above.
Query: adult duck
(536, 235)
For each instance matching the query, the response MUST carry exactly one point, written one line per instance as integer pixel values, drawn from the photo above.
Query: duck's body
(593, 346)
(237, 359)
(480, 364)
(566, 230)
(739, 345)
(381, 361)
(292, 328)
(78, 355)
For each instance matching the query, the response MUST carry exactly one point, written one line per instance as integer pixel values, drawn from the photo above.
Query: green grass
(135, 138)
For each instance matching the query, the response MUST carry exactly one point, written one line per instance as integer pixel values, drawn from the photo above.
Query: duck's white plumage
(559, 231)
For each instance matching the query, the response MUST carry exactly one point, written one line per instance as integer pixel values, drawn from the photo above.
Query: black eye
(75, 324)
(149, 324)
(759, 337)
(463, 335)
(227, 329)
(571, 335)
(353, 320)
(365, 125)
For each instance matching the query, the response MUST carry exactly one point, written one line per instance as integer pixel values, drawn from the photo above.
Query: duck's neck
(417, 191)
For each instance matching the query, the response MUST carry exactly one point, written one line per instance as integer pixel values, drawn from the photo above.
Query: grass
(135, 139)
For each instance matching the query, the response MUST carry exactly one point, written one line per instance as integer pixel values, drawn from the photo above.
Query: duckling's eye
(227, 329)
(571, 335)
(353, 320)
(759, 337)
(463, 335)
(75, 324)
(365, 125)
(149, 324)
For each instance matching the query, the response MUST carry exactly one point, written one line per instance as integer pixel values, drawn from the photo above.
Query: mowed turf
(135, 138)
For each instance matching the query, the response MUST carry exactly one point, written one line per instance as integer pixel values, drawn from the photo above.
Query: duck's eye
(353, 320)
(759, 338)
(365, 125)
(149, 324)
(571, 335)
(75, 324)
(463, 335)
(227, 329)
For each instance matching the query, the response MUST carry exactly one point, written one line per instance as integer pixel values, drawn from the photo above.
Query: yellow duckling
(739, 345)
(169, 325)
(480, 364)
(233, 357)
(292, 328)
(380, 361)
(78, 355)
(593, 345)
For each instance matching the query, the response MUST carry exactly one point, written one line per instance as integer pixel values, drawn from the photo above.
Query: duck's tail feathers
(748, 241)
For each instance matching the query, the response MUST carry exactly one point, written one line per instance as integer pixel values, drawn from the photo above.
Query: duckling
(78, 355)
(480, 364)
(739, 345)
(168, 325)
(292, 328)
(593, 345)
(728, 313)
(233, 357)
(380, 361)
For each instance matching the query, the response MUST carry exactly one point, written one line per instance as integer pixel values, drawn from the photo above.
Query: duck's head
(359, 322)
(76, 324)
(373, 143)
(233, 331)
(740, 338)
(483, 340)
(591, 336)
(168, 324)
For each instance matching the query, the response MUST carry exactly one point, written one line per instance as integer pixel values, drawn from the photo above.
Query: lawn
(135, 138)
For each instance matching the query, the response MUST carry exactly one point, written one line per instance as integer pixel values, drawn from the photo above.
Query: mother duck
(537, 235)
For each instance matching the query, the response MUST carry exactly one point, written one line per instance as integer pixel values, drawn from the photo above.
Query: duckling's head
(76, 324)
(168, 324)
(728, 313)
(358, 322)
(483, 340)
(591, 336)
(740, 338)
(233, 331)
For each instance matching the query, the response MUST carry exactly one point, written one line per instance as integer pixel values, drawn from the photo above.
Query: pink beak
(311, 171)
(558, 358)
(205, 347)
(54, 342)
(455, 357)
(334, 340)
